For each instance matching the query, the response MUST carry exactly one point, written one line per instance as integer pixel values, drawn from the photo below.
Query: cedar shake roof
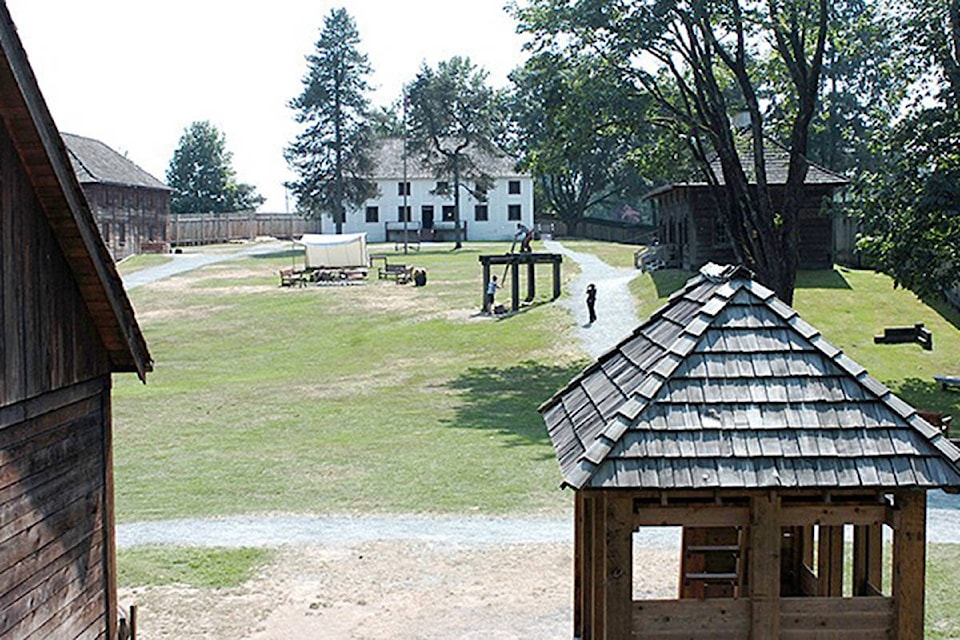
(95, 162)
(727, 387)
(43, 154)
(388, 163)
(777, 162)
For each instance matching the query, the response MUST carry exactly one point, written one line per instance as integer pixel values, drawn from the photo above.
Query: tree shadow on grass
(926, 395)
(822, 279)
(946, 310)
(273, 255)
(669, 280)
(504, 400)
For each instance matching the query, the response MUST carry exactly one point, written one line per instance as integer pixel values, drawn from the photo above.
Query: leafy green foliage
(698, 61)
(908, 206)
(201, 176)
(578, 133)
(453, 117)
(331, 155)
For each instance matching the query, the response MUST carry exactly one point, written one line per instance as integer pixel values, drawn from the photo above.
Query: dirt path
(184, 262)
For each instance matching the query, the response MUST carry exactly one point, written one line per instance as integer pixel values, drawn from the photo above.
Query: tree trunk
(456, 202)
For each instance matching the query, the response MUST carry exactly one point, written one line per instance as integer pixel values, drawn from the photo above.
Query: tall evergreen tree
(452, 116)
(201, 177)
(331, 156)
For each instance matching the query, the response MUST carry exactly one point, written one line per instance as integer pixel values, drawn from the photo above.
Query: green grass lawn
(386, 398)
(376, 398)
(143, 261)
(192, 566)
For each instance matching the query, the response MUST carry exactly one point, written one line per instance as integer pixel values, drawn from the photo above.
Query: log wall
(55, 562)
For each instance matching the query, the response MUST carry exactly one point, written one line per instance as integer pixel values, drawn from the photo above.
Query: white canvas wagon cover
(340, 250)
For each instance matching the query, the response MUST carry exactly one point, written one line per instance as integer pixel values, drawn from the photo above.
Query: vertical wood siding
(47, 337)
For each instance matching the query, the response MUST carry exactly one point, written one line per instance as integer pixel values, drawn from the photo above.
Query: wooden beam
(556, 279)
(909, 564)
(598, 552)
(618, 569)
(486, 283)
(830, 562)
(579, 531)
(515, 286)
(531, 282)
(867, 560)
(834, 515)
(764, 567)
(697, 516)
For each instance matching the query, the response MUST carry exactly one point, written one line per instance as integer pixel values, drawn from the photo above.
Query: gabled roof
(95, 162)
(44, 156)
(388, 163)
(727, 387)
(777, 162)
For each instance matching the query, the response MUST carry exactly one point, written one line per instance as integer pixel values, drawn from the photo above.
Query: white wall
(497, 226)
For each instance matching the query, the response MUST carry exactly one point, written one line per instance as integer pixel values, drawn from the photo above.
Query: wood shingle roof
(44, 157)
(95, 162)
(727, 387)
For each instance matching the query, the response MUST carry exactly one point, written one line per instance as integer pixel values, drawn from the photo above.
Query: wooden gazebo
(728, 415)
(511, 263)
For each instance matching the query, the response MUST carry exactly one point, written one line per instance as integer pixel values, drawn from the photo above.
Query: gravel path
(616, 317)
(183, 262)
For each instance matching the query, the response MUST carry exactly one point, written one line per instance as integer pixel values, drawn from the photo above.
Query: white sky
(135, 73)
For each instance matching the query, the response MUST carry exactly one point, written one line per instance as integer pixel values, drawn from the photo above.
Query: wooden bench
(897, 335)
(400, 273)
(948, 382)
(292, 278)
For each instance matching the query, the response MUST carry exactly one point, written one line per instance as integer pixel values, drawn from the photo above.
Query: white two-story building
(410, 194)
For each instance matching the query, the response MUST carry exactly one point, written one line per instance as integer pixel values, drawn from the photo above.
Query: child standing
(492, 287)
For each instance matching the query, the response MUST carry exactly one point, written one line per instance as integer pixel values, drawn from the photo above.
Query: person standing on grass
(591, 302)
(492, 287)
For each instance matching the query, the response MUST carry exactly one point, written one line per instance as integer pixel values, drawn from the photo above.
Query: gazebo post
(909, 563)
(765, 566)
(515, 285)
(867, 559)
(830, 562)
(598, 552)
(618, 568)
(579, 537)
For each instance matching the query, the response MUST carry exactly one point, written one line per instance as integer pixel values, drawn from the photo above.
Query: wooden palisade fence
(213, 228)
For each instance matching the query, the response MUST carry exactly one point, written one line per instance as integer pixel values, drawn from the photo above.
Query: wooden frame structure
(789, 583)
(512, 261)
(66, 324)
(729, 416)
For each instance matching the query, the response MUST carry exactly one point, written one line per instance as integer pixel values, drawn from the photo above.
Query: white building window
(373, 214)
(514, 212)
(480, 213)
(513, 187)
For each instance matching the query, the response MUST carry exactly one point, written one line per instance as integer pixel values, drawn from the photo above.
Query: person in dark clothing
(591, 302)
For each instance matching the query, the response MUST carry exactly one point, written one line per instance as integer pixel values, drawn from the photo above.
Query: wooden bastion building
(65, 325)
(728, 415)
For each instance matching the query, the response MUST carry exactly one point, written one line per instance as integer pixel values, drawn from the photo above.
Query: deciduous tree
(452, 119)
(201, 176)
(698, 60)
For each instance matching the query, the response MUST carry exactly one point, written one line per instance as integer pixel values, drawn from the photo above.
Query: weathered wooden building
(727, 415)
(65, 326)
(132, 208)
(691, 231)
